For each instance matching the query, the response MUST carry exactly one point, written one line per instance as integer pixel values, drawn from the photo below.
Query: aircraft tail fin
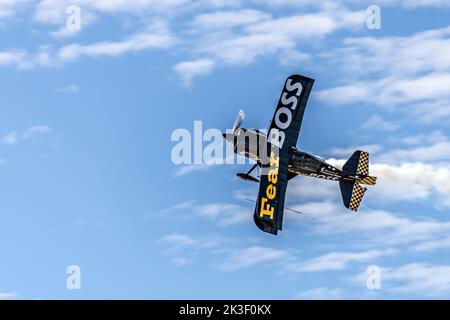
(352, 194)
(358, 164)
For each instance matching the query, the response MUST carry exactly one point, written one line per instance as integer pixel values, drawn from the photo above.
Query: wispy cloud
(189, 168)
(14, 137)
(320, 293)
(396, 73)
(35, 130)
(8, 295)
(10, 8)
(414, 279)
(15, 58)
(187, 70)
(262, 35)
(378, 123)
(432, 245)
(54, 11)
(156, 37)
(248, 257)
(71, 88)
(183, 249)
(224, 214)
(10, 138)
(221, 20)
(337, 260)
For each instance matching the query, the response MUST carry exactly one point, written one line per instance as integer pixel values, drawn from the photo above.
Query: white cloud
(35, 130)
(156, 37)
(15, 58)
(184, 249)
(248, 257)
(320, 293)
(13, 137)
(406, 55)
(371, 227)
(21, 59)
(65, 32)
(10, 138)
(391, 91)
(11, 7)
(54, 11)
(8, 295)
(422, 3)
(224, 214)
(337, 260)
(307, 189)
(432, 245)
(348, 151)
(420, 139)
(409, 4)
(228, 19)
(431, 111)
(397, 73)
(421, 279)
(189, 168)
(187, 70)
(378, 123)
(259, 34)
(438, 151)
(71, 88)
(276, 35)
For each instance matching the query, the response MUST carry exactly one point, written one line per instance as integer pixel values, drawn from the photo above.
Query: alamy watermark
(73, 281)
(73, 21)
(211, 148)
(373, 277)
(373, 17)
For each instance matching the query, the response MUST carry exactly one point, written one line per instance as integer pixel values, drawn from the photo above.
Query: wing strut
(252, 168)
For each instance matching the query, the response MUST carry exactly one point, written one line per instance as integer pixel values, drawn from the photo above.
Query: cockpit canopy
(305, 161)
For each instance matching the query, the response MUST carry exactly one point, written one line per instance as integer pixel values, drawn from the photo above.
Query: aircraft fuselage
(249, 143)
(303, 163)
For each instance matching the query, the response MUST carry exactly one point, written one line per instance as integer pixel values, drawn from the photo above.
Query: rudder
(357, 164)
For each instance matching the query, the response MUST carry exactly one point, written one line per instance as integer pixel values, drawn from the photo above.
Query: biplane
(279, 160)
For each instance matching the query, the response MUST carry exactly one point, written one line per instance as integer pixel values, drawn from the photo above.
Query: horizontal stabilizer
(369, 180)
(352, 194)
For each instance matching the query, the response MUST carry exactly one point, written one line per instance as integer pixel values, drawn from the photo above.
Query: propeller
(239, 119)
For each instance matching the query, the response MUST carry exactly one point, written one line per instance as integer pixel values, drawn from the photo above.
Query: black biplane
(279, 160)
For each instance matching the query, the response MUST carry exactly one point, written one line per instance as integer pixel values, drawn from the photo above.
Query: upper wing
(287, 120)
(283, 133)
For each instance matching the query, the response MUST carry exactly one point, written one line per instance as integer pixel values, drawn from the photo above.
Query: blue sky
(86, 176)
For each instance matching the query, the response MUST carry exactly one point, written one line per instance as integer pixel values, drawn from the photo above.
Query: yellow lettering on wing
(266, 209)
(271, 191)
(273, 176)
